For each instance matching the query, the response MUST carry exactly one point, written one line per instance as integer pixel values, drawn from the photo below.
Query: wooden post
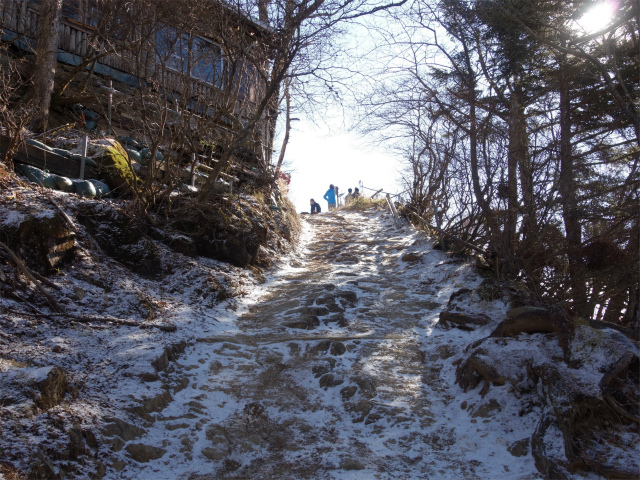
(395, 220)
(396, 217)
(110, 104)
(336, 190)
(23, 17)
(435, 214)
(85, 143)
(193, 169)
(375, 194)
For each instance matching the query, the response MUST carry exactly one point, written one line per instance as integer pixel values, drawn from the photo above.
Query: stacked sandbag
(37, 176)
(85, 188)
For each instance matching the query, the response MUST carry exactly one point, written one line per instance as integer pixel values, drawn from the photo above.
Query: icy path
(333, 370)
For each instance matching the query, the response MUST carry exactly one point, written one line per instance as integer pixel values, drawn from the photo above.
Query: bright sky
(317, 158)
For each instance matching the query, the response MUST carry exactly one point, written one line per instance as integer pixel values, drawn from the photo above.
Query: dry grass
(6, 175)
(362, 204)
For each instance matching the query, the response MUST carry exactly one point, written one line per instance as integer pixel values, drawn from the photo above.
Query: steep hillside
(100, 300)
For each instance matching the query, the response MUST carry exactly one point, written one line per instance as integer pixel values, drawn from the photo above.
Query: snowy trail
(333, 369)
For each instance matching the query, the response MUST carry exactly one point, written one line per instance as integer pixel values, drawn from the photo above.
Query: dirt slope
(334, 368)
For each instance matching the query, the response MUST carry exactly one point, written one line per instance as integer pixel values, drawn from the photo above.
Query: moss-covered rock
(116, 169)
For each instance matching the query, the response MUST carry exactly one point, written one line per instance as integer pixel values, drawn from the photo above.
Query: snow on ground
(334, 368)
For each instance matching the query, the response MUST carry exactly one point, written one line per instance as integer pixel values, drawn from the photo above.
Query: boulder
(51, 383)
(145, 153)
(231, 232)
(170, 353)
(359, 410)
(142, 453)
(411, 257)
(348, 392)
(122, 429)
(148, 406)
(114, 165)
(351, 464)
(221, 444)
(338, 348)
(519, 448)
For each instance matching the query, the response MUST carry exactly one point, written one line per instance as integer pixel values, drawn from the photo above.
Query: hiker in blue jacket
(330, 197)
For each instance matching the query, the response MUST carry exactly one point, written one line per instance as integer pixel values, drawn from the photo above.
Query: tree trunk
(509, 237)
(287, 97)
(44, 67)
(263, 11)
(567, 189)
(519, 148)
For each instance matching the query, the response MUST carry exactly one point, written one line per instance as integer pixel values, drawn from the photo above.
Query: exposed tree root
(587, 423)
(547, 433)
(594, 426)
(461, 320)
(552, 320)
(476, 368)
(620, 387)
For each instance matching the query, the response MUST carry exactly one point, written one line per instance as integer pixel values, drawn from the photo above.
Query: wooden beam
(45, 160)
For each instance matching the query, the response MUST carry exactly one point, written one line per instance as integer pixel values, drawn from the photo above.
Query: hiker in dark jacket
(315, 207)
(349, 198)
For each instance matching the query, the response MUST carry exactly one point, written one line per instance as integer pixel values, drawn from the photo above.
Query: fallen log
(92, 319)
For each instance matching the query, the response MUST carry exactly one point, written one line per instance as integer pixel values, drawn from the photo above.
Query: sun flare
(597, 17)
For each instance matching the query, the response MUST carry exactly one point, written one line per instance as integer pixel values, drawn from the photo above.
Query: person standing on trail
(349, 198)
(356, 193)
(315, 207)
(330, 197)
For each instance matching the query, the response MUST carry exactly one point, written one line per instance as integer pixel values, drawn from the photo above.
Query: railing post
(110, 104)
(193, 169)
(435, 214)
(85, 144)
(396, 218)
